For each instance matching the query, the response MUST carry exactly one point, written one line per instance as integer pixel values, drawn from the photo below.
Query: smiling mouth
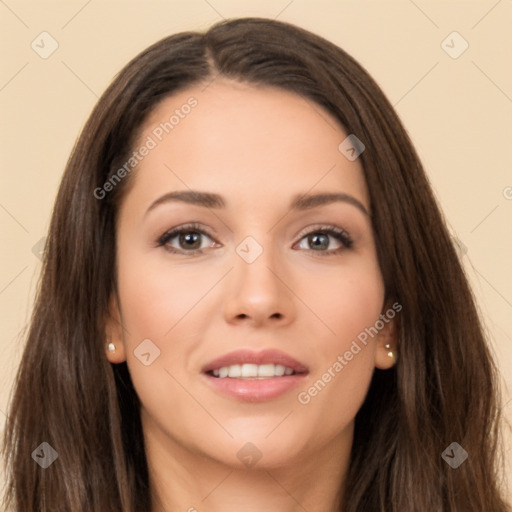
(248, 376)
(252, 371)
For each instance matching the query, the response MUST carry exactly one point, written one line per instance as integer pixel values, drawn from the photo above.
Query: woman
(250, 300)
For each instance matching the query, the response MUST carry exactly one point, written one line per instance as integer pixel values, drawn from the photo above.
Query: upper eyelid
(174, 232)
(303, 232)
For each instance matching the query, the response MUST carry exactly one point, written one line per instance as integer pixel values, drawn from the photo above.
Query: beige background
(457, 111)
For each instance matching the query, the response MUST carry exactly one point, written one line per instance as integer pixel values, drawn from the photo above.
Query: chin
(257, 450)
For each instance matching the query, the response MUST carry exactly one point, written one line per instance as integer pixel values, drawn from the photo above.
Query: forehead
(257, 145)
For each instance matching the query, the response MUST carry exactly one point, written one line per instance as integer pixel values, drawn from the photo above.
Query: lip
(255, 390)
(263, 357)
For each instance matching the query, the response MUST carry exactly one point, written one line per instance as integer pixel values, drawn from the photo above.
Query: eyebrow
(300, 202)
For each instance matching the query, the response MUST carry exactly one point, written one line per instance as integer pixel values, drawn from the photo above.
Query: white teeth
(252, 371)
(249, 370)
(235, 371)
(279, 370)
(266, 370)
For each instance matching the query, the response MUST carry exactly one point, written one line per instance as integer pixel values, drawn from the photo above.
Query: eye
(185, 239)
(189, 239)
(319, 240)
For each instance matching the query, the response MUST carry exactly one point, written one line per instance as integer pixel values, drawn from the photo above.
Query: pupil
(188, 237)
(315, 241)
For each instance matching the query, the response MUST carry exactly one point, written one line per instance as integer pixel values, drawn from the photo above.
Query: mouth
(254, 376)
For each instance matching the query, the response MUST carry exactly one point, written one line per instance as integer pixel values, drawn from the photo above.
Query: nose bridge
(256, 289)
(254, 259)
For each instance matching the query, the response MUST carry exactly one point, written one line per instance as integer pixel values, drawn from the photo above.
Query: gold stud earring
(387, 346)
(111, 347)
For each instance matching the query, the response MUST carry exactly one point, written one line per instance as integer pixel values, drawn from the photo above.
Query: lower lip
(255, 390)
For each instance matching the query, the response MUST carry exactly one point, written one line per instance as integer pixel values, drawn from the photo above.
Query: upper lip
(269, 356)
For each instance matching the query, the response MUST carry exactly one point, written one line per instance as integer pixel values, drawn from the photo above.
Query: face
(264, 269)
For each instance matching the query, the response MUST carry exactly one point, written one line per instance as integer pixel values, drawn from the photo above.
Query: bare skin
(258, 148)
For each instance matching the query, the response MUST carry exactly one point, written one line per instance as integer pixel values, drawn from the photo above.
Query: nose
(258, 293)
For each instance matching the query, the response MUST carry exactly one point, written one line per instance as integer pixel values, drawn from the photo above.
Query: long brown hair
(443, 389)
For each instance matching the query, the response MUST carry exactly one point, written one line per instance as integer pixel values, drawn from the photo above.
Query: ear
(386, 344)
(114, 333)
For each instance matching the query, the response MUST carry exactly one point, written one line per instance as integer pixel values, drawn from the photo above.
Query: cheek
(155, 296)
(347, 301)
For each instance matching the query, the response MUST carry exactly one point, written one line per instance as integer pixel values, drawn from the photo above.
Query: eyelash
(339, 234)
